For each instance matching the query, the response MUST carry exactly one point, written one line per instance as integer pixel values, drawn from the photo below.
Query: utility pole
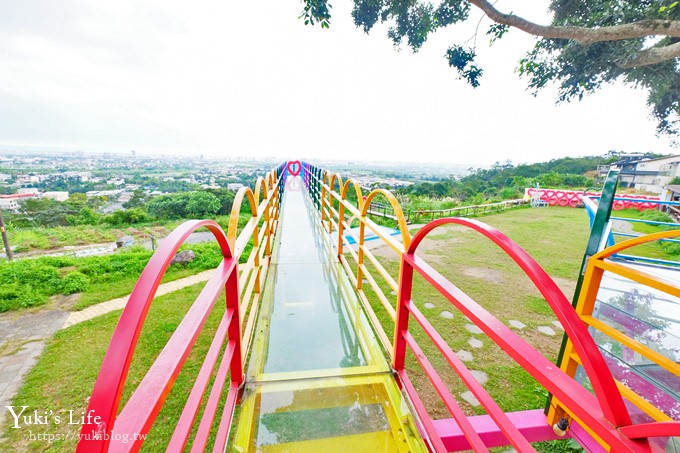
(5, 239)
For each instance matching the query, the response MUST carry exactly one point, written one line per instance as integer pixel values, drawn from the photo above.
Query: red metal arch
(140, 412)
(604, 415)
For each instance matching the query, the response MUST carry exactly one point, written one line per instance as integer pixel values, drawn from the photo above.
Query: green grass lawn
(65, 374)
(36, 239)
(555, 237)
(50, 238)
(660, 250)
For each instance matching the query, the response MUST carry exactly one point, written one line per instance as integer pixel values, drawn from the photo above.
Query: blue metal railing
(590, 203)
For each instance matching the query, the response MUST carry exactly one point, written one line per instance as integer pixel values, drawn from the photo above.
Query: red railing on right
(604, 412)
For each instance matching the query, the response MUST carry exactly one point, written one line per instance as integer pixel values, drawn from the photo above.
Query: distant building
(125, 197)
(116, 182)
(649, 175)
(11, 202)
(104, 193)
(57, 196)
(234, 186)
(672, 193)
(28, 191)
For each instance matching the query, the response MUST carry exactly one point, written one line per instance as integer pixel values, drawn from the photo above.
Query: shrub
(127, 217)
(74, 282)
(13, 297)
(656, 216)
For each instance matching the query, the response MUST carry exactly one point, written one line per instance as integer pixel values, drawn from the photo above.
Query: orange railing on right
(653, 402)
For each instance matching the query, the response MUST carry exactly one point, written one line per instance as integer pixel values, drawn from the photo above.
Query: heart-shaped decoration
(294, 167)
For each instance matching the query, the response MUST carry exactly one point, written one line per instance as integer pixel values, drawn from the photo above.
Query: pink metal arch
(603, 413)
(141, 410)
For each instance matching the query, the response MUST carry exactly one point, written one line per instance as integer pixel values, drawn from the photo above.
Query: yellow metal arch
(236, 211)
(398, 213)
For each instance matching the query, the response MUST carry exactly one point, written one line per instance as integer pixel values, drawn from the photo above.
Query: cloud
(244, 77)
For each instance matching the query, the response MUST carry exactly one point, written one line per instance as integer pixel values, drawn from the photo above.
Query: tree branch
(651, 56)
(584, 35)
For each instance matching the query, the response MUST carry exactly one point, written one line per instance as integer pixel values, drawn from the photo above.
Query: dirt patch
(63, 303)
(490, 275)
(384, 251)
(622, 226)
(567, 286)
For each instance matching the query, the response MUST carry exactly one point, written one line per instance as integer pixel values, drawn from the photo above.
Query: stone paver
(465, 356)
(446, 314)
(117, 304)
(517, 324)
(558, 325)
(546, 330)
(470, 398)
(480, 376)
(475, 343)
(429, 305)
(473, 329)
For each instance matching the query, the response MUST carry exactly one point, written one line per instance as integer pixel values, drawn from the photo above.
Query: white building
(650, 175)
(11, 202)
(57, 196)
(28, 191)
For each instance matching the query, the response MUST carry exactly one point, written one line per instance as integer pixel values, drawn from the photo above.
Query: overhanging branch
(583, 35)
(651, 56)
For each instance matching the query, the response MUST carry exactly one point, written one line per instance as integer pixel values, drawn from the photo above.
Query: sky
(249, 79)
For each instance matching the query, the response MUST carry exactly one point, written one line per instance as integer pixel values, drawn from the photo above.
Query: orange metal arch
(272, 178)
(609, 251)
(398, 213)
(357, 190)
(258, 189)
(331, 184)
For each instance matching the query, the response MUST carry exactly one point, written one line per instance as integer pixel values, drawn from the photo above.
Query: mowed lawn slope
(555, 237)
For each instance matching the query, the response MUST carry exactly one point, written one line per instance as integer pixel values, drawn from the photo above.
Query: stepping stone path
(446, 314)
(473, 328)
(547, 331)
(558, 325)
(475, 343)
(465, 356)
(470, 398)
(480, 376)
(517, 324)
(428, 305)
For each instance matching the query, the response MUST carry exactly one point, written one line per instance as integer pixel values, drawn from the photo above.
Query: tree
(139, 197)
(226, 198)
(202, 204)
(588, 43)
(184, 205)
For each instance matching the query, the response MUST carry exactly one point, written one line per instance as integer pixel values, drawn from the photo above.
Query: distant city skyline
(252, 80)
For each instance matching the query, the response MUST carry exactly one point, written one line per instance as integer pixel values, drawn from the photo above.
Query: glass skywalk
(317, 377)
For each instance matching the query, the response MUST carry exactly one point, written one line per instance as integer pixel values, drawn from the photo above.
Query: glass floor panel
(311, 319)
(361, 413)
